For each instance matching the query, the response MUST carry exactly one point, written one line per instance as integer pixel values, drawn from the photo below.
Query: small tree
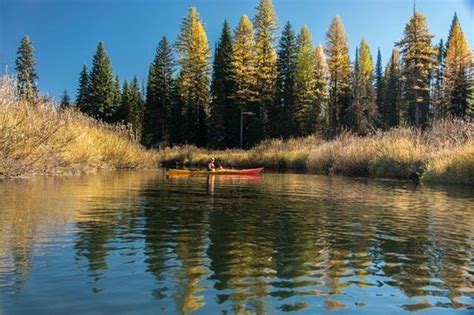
(25, 68)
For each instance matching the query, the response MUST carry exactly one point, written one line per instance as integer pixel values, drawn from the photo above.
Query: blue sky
(65, 33)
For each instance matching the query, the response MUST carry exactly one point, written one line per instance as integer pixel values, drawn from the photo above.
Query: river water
(142, 243)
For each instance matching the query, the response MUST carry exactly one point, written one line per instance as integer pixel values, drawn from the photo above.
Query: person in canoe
(211, 167)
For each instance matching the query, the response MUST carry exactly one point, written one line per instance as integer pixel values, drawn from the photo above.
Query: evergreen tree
(26, 70)
(390, 114)
(103, 94)
(286, 63)
(354, 112)
(321, 75)
(438, 86)
(265, 26)
(244, 77)
(193, 56)
(337, 50)
(379, 84)
(176, 126)
(419, 60)
(159, 97)
(304, 85)
(135, 114)
(456, 75)
(83, 91)
(117, 99)
(224, 131)
(123, 112)
(65, 101)
(363, 111)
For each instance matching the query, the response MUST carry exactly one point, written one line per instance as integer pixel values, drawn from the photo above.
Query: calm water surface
(140, 243)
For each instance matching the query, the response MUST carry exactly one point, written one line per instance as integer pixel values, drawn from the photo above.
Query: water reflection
(236, 244)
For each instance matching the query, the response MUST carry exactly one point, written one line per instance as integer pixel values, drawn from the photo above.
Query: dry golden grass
(39, 138)
(444, 153)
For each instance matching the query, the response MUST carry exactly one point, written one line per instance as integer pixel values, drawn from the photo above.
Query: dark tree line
(256, 88)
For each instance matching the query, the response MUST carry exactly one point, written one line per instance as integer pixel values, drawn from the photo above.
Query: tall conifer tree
(379, 83)
(83, 91)
(265, 26)
(438, 86)
(103, 94)
(305, 85)
(26, 70)
(244, 79)
(390, 114)
(225, 115)
(419, 60)
(286, 63)
(194, 77)
(159, 94)
(456, 76)
(321, 75)
(337, 50)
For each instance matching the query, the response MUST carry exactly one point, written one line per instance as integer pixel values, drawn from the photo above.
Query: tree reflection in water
(247, 245)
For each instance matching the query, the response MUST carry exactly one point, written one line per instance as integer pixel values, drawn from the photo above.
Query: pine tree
(123, 112)
(83, 92)
(321, 76)
(225, 115)
(337, 50)
(369, 117)
(438, 86)
(193, 56)
(135, 115)
(65, 101)
(354, 112)
(103, 94)
(286, 63)
(390, 114)
(244, 77)
(265, 26)
(175, 124)
(379, 85)
(304, 85)
(419, 60)
(456, 75)
(26, 70)
(159, 94)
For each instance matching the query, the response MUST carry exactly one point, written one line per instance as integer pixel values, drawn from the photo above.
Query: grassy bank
(40, 139)
(444, 153)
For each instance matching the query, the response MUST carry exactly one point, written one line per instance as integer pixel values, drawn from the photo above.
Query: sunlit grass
(37, 137)
(444, 153)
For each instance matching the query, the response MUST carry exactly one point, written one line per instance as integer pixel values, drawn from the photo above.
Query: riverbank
(39, 138)
(442, 154)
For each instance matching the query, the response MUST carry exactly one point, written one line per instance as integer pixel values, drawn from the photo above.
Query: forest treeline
(274, 86)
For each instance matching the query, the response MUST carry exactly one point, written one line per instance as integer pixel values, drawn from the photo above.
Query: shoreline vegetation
(444, 153)
(36, 137)
(40, 138)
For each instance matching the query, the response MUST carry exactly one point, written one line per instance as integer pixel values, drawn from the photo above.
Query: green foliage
(379, 84)
(286, 64)
(419, 61)
(265, 26)
(65, 101)
(224, 125)
(83, 91)
(159, 97)
(26, 70)
(103, 95)
(392, 104)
